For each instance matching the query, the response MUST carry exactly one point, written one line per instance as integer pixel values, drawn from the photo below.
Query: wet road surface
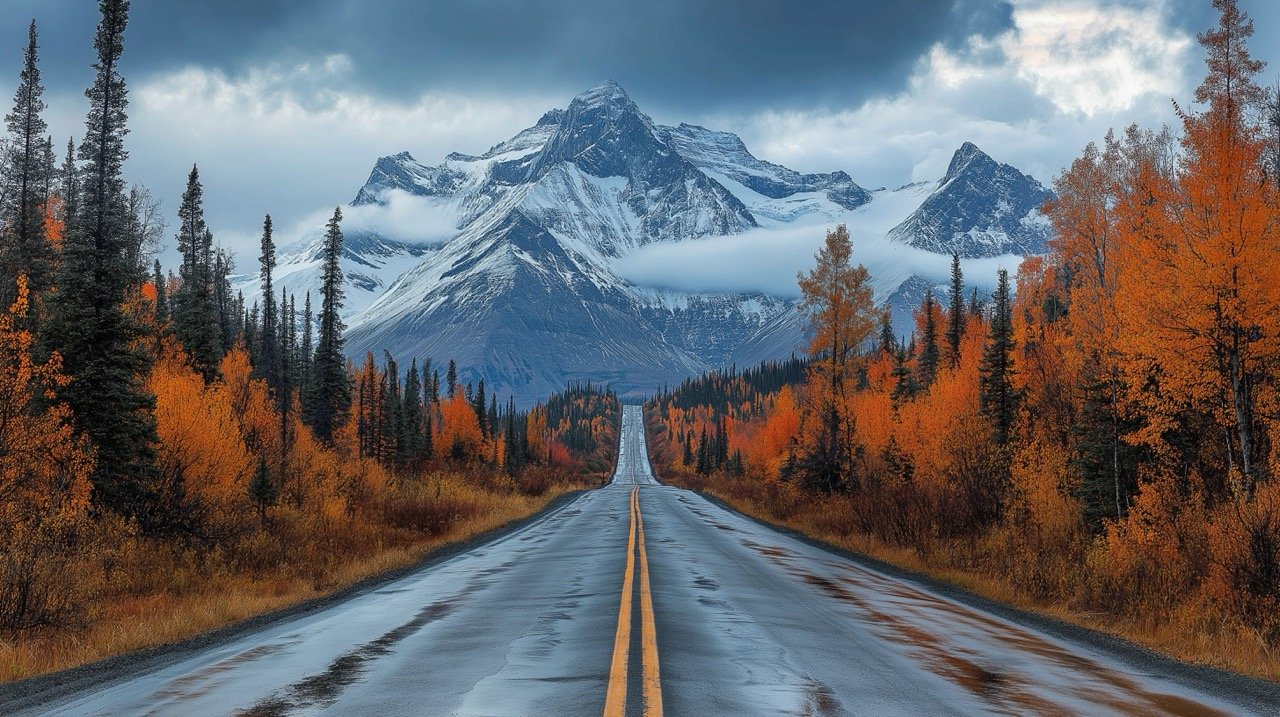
(639, 598)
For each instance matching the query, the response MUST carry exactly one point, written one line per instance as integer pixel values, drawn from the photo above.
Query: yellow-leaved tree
(44, 483)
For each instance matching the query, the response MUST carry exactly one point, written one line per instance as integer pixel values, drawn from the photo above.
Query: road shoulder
(1255, 694)
(33, 692)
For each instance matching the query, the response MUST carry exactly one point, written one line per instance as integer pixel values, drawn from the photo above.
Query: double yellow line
(615, 701)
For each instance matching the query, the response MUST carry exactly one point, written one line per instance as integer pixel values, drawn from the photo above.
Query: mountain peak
(607, 92)
(966, 156)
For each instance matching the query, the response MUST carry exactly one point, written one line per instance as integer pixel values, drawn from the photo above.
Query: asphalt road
(640, 598)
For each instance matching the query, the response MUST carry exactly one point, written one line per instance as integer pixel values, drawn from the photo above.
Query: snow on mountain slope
(516, 306)
(370, 263)
(724, 156)
(528, 276)
(980, 208)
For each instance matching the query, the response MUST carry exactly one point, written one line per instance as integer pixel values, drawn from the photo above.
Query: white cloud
(767, 261)
(287, 139)
(402, 216)
(1092, 57)
(1032, 97)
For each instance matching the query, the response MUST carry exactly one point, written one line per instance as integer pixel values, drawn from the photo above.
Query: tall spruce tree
(998, 398)
(289, 337)
(196, 320)
(887, 342)
(1106, 465)
(929, 353)
(69, 188)
(451, 378)
(285, 384)
(162, 299)
(225, 302)
(90, 325)
(306, 360)
(905, 386)
(268, 359)
(413, 419)
(479, 404)
(955, 313)
(26, 175)
(330, 384)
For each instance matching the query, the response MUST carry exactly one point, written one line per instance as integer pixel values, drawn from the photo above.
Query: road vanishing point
(643, 599)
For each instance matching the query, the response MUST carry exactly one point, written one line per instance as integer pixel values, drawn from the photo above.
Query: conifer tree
(451, 376)
(306, 360)
(392, 413)
(429, 412)
(411, 410)
(955, 314)
(703, 465)
(998, 398)
(25, 174)
(929, 354)
(480, 404)
(285, 383)
(905, 387)
(887, 341)
(162, 300)
(1106, 466)
(226, 306)
(262, 489)
(330, 385)
(268, 364)
(69, 188)
(289, 338)
(196, 321)
(90, 326)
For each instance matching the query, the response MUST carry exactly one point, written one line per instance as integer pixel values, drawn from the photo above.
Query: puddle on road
(199, 683)
(775, 554)
(324, 688)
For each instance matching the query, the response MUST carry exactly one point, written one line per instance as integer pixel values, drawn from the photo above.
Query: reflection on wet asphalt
(749, 622)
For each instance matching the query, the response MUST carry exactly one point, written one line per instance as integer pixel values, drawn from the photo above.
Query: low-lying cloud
(767, 261)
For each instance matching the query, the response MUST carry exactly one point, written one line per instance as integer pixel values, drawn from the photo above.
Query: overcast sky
(285, 104)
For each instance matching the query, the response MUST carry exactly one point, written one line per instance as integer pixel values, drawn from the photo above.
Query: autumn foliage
(1126, 468)
(44, 485)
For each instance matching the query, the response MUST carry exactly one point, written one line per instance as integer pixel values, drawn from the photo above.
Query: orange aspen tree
(1199, 297)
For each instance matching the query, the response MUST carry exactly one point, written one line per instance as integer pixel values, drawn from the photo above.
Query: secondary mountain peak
(980, 208)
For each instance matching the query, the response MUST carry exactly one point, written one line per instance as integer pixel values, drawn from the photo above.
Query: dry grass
(1185, 633)
(155, 596)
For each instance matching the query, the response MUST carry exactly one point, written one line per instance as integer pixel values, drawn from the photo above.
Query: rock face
(980, 208)
(522, 290)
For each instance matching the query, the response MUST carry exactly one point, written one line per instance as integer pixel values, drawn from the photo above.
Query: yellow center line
(648, 633)
(615, 700)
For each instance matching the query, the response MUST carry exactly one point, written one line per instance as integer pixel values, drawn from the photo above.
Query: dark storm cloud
(719, 54)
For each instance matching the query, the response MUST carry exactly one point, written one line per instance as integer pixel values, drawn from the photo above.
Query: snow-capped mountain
(980, 208)
(522, 288)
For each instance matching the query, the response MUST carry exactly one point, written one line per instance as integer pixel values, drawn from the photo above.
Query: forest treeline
(1099, 436)
(162, 436)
